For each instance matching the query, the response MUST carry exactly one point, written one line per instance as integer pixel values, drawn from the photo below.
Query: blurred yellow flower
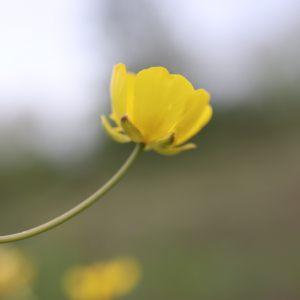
(16, 272)
(102, 280)
(156, 108)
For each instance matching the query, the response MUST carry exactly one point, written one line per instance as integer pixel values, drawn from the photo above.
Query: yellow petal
(118, 91)
(159, 101)
(176, 150)
(194, 117)
(114, 132)
(130, 93)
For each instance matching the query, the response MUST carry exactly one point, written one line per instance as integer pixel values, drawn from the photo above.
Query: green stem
(80, 207)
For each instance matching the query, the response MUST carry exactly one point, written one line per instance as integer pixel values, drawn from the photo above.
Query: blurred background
(216, 223)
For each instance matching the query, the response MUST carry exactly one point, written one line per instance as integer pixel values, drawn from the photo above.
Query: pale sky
(229, 34)
(51, 68)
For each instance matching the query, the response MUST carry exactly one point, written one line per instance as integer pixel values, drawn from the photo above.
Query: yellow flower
(156, 108)
(16, 272)
(102, 280)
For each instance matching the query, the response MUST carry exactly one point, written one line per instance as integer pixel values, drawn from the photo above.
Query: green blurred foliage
(218, 222)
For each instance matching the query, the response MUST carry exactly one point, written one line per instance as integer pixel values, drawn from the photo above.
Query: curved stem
(80, 207)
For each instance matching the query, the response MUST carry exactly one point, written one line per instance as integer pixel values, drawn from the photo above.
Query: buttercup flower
(16, 273)
(156, 108)
(102, 280)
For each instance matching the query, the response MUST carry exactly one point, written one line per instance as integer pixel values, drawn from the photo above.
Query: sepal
(176, 150)
(166, 142)
(114, 132)
(128, 127)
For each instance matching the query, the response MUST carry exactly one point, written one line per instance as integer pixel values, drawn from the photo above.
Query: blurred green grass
(218, 222)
